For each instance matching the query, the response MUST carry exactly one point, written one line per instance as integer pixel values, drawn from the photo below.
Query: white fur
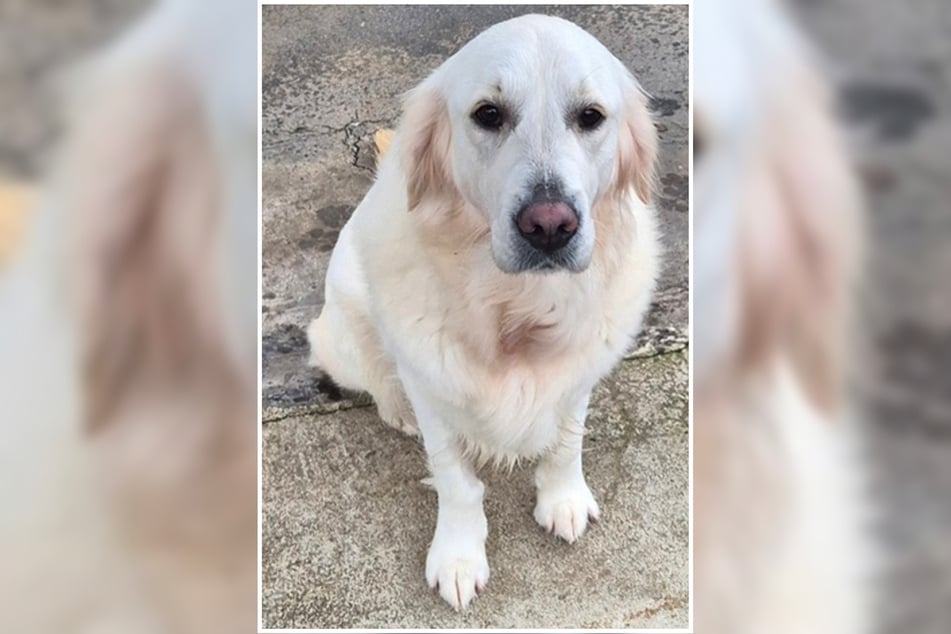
(823, 563)
(420, 313)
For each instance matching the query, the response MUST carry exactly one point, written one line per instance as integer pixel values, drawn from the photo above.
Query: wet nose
(547, 226)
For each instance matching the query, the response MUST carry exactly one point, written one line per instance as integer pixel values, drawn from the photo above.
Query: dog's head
(528, 126)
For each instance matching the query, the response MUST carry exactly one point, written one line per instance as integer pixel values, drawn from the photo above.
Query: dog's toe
(566, 512)
(459, 581)
(457, 576)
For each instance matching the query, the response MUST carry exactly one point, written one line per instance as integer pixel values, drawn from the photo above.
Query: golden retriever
(497, 269)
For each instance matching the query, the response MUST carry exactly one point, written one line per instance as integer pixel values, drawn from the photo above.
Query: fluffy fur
(438, 308)
(781, 520)
(128, 332)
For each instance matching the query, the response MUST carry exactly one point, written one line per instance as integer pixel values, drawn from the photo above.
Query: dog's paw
(397, 412)
(566, 510)
(456, 570)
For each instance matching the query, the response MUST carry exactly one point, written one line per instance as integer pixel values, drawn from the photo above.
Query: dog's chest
(515, 415)
(527, 322)
(522, 402)
(529, 338)
(524, 354)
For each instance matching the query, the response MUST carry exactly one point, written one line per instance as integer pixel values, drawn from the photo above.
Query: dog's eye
(488, 117)
(590, 118)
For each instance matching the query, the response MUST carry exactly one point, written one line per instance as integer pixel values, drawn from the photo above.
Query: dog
(497, 270)
(782, 519)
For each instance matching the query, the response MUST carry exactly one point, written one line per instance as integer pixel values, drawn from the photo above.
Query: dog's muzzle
(547, 221)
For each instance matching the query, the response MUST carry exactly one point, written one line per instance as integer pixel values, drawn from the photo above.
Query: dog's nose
(547, 226)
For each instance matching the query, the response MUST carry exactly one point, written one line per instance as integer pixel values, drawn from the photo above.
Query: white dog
(497, 270)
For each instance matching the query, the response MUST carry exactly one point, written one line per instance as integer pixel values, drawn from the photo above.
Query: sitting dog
(497, 269)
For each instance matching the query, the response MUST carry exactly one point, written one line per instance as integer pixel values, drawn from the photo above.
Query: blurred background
(780, 99)
(890, 64)
(128, 316)
(890, 67)
(37, 39)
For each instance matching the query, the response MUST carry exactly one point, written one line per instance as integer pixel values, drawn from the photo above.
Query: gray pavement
(346, 520)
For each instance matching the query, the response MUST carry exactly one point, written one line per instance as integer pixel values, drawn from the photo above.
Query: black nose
(547, 226)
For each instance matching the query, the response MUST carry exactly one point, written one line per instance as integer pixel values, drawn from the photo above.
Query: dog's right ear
(637, 146)
(802, 241)
(425, 142)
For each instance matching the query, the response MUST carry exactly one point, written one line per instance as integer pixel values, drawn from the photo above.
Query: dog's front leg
(456, 565)
(564, 501)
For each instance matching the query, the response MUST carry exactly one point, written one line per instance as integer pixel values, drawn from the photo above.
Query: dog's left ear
(145, 273)
(425, 141)
(637, 146)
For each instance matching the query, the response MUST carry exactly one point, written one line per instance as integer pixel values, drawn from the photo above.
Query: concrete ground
(347, 521)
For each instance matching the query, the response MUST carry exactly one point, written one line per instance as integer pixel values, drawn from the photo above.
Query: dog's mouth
(545, 234)
(529, 260)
